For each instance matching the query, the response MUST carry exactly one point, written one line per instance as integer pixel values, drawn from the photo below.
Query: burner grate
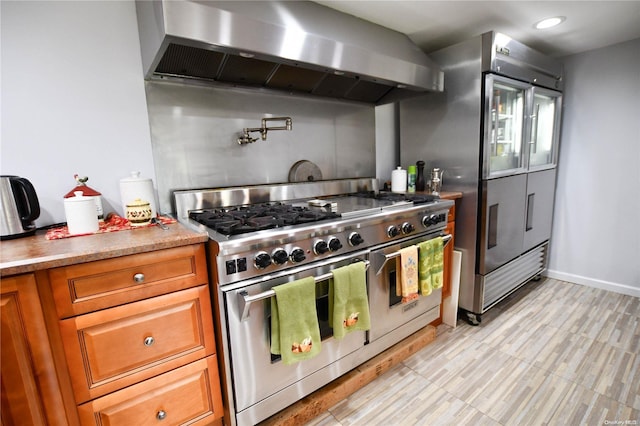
(257, 217)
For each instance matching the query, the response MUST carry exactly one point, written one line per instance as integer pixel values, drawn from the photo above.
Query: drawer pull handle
(161, 415)
(138, 278)
(148, 341)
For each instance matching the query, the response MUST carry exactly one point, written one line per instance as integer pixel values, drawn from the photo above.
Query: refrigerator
(495, 132)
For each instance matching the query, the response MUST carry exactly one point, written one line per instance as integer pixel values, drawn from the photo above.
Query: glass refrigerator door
(544, 134)
(504, 126)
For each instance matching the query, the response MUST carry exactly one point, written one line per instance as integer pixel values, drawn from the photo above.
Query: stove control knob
(407, 228)
(262, 260)
(334, 244)
(355, 239)
(279, 256)
(392, 231)
(320, 247)
(297, 255)
(430, 220)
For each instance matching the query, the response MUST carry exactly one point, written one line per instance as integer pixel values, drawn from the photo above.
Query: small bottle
(411, 179)
(420, 177)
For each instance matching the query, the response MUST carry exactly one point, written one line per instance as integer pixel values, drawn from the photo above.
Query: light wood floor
(554, 353)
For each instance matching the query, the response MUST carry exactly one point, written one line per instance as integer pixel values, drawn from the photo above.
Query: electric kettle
(20, 207)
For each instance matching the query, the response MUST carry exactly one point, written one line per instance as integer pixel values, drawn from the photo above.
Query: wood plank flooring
(554, 353)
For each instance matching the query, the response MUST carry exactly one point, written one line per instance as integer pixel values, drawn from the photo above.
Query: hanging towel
(431, 265)
(295, 333)
(348, 301)
(408, 279)
(425, 261)
(437, 265)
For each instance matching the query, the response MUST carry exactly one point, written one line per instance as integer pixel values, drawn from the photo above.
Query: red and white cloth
(112, 223)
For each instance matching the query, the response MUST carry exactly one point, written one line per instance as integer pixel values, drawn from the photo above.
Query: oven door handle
(245, 300)
(384, 258)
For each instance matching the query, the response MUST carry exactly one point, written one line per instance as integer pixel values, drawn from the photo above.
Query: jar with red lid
(87, 191)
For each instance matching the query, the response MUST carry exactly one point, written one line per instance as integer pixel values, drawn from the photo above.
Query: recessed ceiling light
(550, 22)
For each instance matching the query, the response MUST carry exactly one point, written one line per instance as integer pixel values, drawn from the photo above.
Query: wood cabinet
(30, 394)
(448, 250)
(118, 341)
(448, 253)
(137, 333)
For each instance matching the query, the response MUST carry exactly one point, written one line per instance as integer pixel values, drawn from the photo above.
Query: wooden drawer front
(90, 286)
(116, 347)
(190, 394)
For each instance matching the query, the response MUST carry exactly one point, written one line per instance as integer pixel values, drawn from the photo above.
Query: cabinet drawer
(117, 347)
(189, 394)
(90, 286)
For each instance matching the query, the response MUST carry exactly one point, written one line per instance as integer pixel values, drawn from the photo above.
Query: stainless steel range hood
(295, 46)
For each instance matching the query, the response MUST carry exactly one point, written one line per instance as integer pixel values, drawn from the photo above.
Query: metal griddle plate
(349, 206)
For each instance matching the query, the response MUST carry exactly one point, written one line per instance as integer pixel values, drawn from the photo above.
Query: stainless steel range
(266, 235)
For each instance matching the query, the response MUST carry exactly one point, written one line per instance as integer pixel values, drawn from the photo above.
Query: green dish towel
(348, 301)
(430, 265)
(295, 333)
(437, 265)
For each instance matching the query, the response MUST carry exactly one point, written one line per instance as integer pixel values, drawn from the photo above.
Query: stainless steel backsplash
(194, 131)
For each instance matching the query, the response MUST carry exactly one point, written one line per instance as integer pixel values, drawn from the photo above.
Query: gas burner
(257, 217)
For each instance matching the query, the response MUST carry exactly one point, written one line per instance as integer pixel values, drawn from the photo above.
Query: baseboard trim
(591, 282)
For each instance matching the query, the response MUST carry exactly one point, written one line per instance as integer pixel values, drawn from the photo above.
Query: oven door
(258, 375)
(388, 314)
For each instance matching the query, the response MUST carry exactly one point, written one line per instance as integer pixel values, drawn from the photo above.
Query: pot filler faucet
(245, 138)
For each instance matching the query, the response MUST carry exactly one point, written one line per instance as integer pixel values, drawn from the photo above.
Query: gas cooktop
(258, 217)
(261, 216)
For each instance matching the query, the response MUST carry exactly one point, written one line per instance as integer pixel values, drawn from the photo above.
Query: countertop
(33, 253)
(450, 195)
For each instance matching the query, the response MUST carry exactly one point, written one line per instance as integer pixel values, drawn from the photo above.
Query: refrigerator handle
(534, 130)
(492, 241)
(495, 124)
(529, 222)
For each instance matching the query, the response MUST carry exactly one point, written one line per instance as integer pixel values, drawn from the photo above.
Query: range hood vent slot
(187, 60)
(249, 44)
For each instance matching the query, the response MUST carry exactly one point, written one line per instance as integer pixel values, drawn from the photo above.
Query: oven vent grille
(514, 274)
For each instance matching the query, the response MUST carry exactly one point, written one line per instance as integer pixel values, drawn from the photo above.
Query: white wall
(73, 98)
(596, 231)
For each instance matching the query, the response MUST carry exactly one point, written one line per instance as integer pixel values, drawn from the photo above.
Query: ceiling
(436, 24)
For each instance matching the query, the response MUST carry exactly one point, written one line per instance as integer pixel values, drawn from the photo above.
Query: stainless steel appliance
(511, 96)
(265, 235)
(300, 47)
(20, 207)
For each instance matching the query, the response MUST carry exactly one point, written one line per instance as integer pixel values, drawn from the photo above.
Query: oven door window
(322, 309)
(393, 288)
